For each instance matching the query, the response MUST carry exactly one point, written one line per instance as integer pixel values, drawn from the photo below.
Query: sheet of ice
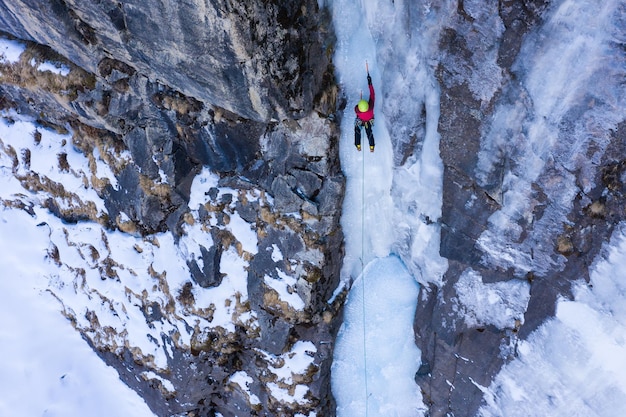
(368, 229)
(575, 364)
(500, 304)
(47, 368)
(375, 356)
(387, 208)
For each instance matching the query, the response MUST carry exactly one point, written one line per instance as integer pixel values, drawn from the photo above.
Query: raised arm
(372, 94)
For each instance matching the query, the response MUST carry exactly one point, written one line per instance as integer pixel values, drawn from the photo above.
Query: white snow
(166, 383)
(283, 395)
(244, 232)
(54, 68)
(10, 51)
(296, 361)
(44, 157)
(201, 185)
(284, 367)
(285, 286)
(47, 368)
(244, 381)
(190, 243)
(277, 255)
(90, 273)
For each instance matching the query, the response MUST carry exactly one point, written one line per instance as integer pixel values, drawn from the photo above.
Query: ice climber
(365, 118)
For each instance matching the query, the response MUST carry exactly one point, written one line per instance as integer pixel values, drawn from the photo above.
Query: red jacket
(368, 115)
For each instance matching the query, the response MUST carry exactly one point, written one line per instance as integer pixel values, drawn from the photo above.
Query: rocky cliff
(156, 91)
(503, 221)
(207, 130)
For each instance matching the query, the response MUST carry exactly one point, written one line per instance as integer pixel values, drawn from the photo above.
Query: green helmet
(363, 105)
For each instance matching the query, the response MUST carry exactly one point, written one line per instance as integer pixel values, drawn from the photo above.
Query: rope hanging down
(362, 273)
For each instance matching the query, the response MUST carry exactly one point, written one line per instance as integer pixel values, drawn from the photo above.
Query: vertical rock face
(258, 60)
(213, 118)
(519, 233)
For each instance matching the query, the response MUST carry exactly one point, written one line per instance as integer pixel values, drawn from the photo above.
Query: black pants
(358, 124)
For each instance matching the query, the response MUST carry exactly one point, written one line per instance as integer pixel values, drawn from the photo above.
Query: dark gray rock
(224, 53)
(130, 200)
(209, 275)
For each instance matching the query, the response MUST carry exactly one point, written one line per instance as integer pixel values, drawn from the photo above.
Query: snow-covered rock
(187, 178)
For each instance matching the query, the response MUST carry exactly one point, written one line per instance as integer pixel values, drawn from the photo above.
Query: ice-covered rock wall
(187, 155)
(532, 141)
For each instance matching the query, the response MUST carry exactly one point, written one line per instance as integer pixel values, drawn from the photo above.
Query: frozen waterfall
(390, 243)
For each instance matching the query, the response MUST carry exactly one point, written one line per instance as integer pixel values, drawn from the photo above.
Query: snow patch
(296, 361)
(10, 51)
(285, 367)
(277, 255)
(116, 288)
(285, 286)
(48, 369)
(284, 395)
(244, 232)
(166, 383)
(200, 186)
(53, 67)
(245, 381)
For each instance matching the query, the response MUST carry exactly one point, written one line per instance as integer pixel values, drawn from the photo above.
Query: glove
(369, 80)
